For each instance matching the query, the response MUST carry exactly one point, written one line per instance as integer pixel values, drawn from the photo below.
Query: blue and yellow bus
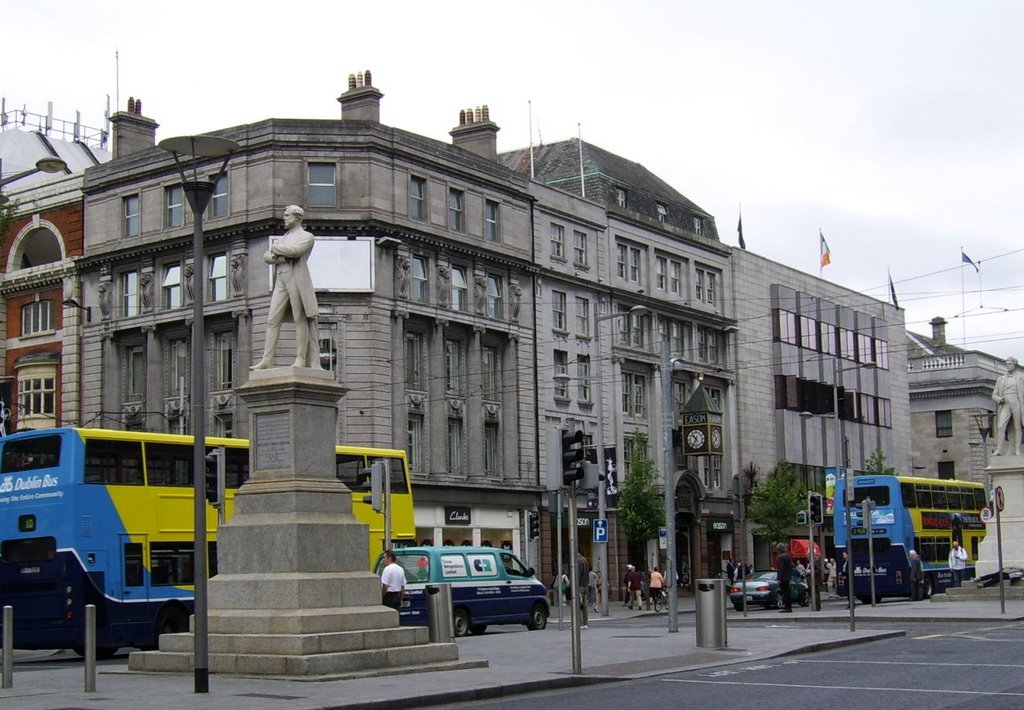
(105, 517)
(923, 514)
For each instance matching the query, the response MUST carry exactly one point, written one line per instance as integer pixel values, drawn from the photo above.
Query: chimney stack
(938, 324)
(476, 132)
(361, 102)
(133, 132)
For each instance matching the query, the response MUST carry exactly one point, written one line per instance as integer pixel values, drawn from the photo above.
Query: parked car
(762, 589)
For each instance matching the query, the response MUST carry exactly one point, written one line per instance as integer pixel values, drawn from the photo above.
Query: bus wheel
(460, 620)
(929, 586)
(103, 653)
(171, 620)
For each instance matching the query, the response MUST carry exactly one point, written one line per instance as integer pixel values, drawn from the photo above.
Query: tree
(775, 502)
(876, 464)
(7, 211)
(641, 509)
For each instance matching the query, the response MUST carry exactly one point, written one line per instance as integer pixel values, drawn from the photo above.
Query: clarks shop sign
(456, 515)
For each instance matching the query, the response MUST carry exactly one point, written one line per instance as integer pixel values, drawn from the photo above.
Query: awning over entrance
(798, 548)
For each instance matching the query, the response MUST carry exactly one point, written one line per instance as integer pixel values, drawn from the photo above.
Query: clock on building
(695, 439)
(716, 439)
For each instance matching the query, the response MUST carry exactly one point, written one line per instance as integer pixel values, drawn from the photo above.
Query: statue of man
(1008, 394)
(293, 295)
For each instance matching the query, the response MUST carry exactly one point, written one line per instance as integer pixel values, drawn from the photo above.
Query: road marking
(910, 663)
(844, 687)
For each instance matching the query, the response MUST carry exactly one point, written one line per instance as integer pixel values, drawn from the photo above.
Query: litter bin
(711, 631)
(439, 613)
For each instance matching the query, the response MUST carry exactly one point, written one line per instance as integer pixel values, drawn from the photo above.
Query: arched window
(39, 246)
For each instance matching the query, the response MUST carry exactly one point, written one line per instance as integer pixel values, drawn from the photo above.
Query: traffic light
(591, 475)
(534, 525)
(373, 479)
(815, 506)
(572, 456)
(215, 468)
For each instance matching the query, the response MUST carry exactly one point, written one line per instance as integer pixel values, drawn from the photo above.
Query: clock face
(716, 439)
(695, 439)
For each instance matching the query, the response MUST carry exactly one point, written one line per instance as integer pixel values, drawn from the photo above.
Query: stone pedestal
(294, 595)
(1006, 472)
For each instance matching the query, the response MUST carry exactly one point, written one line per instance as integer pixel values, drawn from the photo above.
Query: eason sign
(720, 525)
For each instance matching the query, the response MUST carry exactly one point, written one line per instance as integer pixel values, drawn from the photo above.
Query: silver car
(762, 589)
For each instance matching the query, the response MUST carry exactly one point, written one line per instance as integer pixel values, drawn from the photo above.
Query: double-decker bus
(923, 514)
(104, 517)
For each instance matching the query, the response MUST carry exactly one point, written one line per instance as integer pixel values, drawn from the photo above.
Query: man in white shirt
(957, 563)
(392, 581)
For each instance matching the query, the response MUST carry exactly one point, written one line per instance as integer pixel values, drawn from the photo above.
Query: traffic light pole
(815, 600)
(574, 605)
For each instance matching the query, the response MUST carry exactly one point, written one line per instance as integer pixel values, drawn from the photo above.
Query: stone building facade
(471, 301)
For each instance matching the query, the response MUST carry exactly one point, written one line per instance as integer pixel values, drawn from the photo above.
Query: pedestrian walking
(916, 577)
(392, 581)
(785, 574)
(592, 590)
(582, 588)
(634, 587)
(957, 563)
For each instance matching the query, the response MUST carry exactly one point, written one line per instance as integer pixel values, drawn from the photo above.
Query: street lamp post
(49, 164)
(668, 420)
(198, 192)
(602, 486)
(848, 483)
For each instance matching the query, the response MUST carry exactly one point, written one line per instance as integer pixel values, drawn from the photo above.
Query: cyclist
(657, 586)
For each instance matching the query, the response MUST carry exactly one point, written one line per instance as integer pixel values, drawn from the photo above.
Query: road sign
(1000, 501)
(662, 538)
(600, 529)
(986, 515)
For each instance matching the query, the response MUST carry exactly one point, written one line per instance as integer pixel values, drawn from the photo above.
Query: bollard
(8, 647)
(90, 648)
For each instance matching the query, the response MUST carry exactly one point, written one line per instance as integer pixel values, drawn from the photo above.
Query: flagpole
(583, 182)
(963, 302)
(821, 262)
(529, 111)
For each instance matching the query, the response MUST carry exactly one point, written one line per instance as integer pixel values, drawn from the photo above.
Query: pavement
(623, 646)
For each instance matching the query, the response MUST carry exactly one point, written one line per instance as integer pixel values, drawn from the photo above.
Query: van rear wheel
(538, 617)
(460, 620)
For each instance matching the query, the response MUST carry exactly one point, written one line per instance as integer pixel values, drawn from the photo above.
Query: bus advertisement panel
(910, 513)
(105, 517)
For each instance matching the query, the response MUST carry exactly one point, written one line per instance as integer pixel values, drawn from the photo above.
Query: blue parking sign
(601, 530)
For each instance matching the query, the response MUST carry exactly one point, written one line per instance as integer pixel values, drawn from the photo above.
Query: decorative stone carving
(238, 274)
(403, 267)
(146, 290)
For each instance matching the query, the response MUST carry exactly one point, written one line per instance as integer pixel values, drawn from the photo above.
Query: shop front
(465, 525)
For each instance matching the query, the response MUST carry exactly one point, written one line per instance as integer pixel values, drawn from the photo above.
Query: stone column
(294, 594)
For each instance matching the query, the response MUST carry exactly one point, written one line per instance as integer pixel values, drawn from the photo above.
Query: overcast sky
(894, 126)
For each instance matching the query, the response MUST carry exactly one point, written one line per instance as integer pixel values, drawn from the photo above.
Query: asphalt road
(936, 666)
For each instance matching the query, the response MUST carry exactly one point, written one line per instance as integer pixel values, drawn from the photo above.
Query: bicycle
(660, 600)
